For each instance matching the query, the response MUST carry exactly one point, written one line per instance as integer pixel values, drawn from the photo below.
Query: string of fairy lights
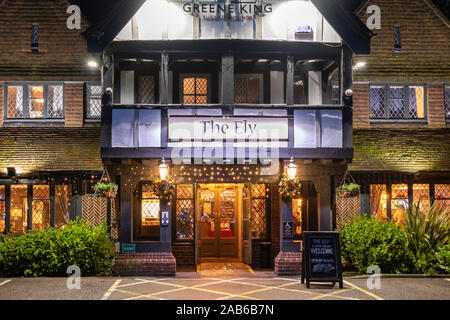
(132, 174)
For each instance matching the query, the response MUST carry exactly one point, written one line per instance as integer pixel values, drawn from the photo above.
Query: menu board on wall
(321, 258)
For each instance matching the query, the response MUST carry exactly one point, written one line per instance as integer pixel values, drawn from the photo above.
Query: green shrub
(427, 237)
(49, 252)
(370, 241)
(443, 257)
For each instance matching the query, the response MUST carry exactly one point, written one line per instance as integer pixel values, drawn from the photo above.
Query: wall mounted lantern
(163, 170)
(291, 169)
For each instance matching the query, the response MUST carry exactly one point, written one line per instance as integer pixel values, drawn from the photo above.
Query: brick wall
(436, 109)
(184, 254)
(73, 102)
(361, 105)
(425, 38)
(62, 52)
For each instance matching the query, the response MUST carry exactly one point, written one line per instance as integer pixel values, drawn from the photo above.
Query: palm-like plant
(427, 233)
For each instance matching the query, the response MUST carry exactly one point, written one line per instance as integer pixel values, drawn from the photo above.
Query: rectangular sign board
(213, 128)
(128, 248)
(321, 258)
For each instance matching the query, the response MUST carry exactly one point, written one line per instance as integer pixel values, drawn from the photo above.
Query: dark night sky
(96, 8)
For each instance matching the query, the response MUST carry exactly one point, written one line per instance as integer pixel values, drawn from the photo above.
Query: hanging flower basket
(108, 190)
(290, 189)
(348, 190)
(164, 189)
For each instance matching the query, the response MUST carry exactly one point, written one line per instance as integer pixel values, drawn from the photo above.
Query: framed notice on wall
(321, 258)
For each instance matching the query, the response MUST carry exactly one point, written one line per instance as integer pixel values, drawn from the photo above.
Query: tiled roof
(404, 150)
(50, 149)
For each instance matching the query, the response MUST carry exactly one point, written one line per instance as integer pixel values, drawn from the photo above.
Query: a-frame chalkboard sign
(321, 258)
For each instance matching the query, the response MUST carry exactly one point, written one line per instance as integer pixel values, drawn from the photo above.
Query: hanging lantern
(163, 170)
(291, 169)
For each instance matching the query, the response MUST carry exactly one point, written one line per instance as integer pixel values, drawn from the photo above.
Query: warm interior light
(163, 170)
(291, 170)
(92, 64)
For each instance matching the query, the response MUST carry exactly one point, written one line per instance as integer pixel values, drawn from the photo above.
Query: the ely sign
(209, 128)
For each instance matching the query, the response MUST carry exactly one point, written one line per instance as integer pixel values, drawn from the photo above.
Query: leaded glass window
(442, 194)
(247, 88)
(94, 101)
(378, 198)
(185, 212)
(19, 208)
(416, 102)
(399, 201)
(377, 102)
(63, 193)
(447, 102)
(259, 211)
(35, 101)
(55, 102)
(421, 194)
(195, 90)
(397, 39)
(397, 102)
(40, 207)
(149, 214)
(146, 89)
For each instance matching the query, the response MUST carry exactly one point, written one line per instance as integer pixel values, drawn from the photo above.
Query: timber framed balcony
(301, 132)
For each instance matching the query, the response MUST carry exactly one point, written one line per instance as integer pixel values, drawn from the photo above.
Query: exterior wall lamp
(163, 170)
(291, 169)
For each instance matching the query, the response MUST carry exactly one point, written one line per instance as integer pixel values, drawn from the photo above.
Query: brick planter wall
(288, 263)
(145, 264)
(184, 254)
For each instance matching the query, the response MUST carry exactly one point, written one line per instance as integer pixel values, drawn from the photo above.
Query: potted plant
(348, 190)
(108, 190)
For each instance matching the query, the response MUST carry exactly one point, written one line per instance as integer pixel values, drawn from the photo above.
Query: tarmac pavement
(191, 286)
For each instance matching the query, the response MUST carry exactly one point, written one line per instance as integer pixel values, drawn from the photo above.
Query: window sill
(33, 122)
(399, 121)
(92, 120)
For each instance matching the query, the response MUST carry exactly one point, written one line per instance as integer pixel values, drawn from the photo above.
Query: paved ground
(188, 286)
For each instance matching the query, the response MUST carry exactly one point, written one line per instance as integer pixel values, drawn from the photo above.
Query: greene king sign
(232, 8)
(183, 128)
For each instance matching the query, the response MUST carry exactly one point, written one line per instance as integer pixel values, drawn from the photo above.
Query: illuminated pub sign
(234, 9)
(228, 128)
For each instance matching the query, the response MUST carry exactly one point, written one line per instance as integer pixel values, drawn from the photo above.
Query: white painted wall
(127, 87)
(315, 87)
(163, 19)
(276, 87)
